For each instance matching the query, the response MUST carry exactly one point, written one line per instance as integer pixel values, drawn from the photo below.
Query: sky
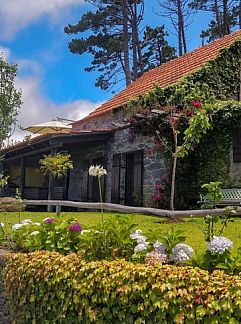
(53, 80)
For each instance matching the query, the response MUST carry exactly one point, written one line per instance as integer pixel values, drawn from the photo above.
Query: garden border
(129, 209)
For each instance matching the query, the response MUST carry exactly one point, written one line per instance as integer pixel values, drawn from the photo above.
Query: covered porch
(21, 164)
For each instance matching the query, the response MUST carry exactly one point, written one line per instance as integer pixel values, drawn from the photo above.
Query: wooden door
(115, 180)
(134, 179)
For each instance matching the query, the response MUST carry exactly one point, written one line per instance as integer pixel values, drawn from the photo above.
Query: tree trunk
(226, 29)
(183, 36)
(159, 49)
(174, 168)
(126, 43)
(218, 18)
(134, 51)
(179, 27)
(240, 14)
(137, 52)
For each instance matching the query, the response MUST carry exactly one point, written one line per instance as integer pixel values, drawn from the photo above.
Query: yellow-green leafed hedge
(45, 287)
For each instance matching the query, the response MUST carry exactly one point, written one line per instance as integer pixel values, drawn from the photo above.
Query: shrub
(45, 287)
(52, 234)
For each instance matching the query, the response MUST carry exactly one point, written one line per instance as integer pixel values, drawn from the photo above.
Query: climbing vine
(216, 81)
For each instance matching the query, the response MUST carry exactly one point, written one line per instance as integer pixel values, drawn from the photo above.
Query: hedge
(46, 287)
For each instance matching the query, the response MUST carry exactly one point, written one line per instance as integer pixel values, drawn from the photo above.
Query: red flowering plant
(188, 122)
(159, 195)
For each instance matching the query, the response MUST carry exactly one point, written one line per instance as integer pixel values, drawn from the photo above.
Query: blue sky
(53, 80)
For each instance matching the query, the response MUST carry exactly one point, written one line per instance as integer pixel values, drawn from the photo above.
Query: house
(103, 137)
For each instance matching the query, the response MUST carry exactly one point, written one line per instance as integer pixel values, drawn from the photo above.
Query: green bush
(45, 287)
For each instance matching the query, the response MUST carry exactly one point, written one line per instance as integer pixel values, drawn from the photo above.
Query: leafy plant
(212, 196)
(172, 238)
(52, 234)
(57, 165)
(109, 240)
(46, 286)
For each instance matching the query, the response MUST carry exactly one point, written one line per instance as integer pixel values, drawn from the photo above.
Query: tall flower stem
(101, 200)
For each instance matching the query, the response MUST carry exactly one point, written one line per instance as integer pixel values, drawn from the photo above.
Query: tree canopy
(10, 98)
(112, 35)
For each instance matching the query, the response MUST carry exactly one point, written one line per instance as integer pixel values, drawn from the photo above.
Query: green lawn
(193, 232)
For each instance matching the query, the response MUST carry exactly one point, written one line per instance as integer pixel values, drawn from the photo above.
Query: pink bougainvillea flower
(196, 104)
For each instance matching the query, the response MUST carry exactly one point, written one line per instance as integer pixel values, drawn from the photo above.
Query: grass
(192, 230)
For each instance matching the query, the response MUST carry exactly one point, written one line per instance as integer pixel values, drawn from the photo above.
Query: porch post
(22, 177)
(50, 188)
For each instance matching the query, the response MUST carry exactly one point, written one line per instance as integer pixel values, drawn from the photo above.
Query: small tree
(10, 98)
(198, 124)
(56, 166)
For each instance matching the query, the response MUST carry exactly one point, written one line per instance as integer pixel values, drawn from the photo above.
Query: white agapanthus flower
(85, 231)
(97, 171)
(17, 226)
(34, 233)
(141, 247)
(159, 247)
(181, 253)
(219, 245)
(26, 221)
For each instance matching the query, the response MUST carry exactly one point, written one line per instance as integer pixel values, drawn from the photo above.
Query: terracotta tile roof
(166, 74)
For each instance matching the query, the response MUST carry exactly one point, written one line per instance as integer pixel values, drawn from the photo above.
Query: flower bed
(46, 286)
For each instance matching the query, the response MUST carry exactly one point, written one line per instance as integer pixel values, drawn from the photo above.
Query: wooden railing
(129, 209)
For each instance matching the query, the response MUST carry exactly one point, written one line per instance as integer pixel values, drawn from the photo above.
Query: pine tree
(178, 12)
(225, 15)
(112, 33)
(156, 49)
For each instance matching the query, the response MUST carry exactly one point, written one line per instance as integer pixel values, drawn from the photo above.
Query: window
(237, 145)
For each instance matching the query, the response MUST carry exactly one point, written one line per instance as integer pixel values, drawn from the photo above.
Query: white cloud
(15, 15)
(5, 52)
(37, 108)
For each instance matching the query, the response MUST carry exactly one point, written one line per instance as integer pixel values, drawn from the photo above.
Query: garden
(100, 267)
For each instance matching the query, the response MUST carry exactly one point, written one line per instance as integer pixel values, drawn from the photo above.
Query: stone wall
(153, 164)
(103, 121)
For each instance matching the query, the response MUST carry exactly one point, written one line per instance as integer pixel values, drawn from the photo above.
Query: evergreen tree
(225, 16)
(112, 32)
(156, 49)
(178, 12)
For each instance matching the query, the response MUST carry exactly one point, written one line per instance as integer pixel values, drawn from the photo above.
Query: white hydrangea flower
(37, 224)
(26, 221)
(135, 235)
(17, 226)
(97, 171)
(159, 247)
(141, 247)
(219, 245)
(181, 253)
(34, 233)
(2, 224)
